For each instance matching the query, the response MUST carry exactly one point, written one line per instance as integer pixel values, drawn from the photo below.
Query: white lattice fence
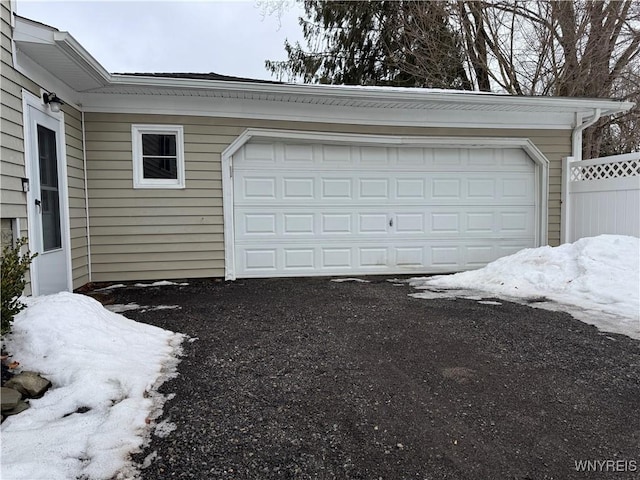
(601, 196)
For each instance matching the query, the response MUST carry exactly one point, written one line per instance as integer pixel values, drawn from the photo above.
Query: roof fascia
(301, 112)
(375, 94)
(82, 58)
(27, 31)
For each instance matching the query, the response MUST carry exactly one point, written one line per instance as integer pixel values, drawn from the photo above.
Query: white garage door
(312, 209)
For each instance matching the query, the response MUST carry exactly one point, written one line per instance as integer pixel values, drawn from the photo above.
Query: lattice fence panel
(628, 168)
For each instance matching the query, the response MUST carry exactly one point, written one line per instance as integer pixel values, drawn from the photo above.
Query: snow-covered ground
(105, 370)
(596, 279)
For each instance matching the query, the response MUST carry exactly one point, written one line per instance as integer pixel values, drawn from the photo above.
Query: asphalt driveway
(312, 379)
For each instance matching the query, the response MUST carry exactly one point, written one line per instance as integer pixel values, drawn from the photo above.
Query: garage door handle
(391, 222)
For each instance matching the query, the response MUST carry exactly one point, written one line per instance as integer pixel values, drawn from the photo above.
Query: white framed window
(158, 156)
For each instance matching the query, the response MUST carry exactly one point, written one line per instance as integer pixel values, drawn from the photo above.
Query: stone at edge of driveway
(29, 384)
(9, 398)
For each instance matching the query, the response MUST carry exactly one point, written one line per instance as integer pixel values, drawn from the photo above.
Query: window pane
(50, 208)
(47, 156)
(160, 167)
(156, 145)
(49, 197)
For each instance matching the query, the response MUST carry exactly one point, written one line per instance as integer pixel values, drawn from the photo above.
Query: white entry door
(315, 209)
(47, 197)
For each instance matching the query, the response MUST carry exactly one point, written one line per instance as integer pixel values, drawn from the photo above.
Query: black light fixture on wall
(53, 101)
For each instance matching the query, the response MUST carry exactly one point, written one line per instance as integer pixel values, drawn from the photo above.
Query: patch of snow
(161, 283)
(164, 428)
(110, 287)
(124, 307)
(146, 463)
(431, 295)
(161, 307)
(166, 307)
(340, 280)
(96, 360)
(489, 302)
(596, 279)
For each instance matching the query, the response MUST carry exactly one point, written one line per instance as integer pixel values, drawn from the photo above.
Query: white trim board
(542, 170)
(305, 112)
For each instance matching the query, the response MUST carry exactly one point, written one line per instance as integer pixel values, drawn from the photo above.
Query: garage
(303, 207)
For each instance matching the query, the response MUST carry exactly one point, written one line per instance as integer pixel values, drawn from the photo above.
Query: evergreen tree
(365, 43)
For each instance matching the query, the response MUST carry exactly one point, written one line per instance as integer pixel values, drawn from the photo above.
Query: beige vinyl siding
(11, 141)
(13, 201)
(168, 234)
(77, 196)
(12, 159)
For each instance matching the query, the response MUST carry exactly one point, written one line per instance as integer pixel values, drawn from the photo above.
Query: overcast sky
(226, 37)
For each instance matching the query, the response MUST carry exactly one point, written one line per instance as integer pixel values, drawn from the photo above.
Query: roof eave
(607, 106)
(39, 38)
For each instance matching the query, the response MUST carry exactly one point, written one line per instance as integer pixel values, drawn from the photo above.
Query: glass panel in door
(49, 193)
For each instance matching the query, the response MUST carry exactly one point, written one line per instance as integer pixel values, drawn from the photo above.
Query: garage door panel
(410, 257)
(258, 224)
(297, 154)
(447, 158)
(484, 158)
(337, 188)
(259, 154)
(261, 188)
(517, 189)
(409, 221)
(384, 188)
(334, 155)
(377, 256)
(445, 222)
(413, 157)
(515, 159)
(296, 188)
(373, 189)
(405, 258)
(481, 222)
(260, 259)
(336, 258)
(479, 255)
(481, 189)
(336, 223)
(374, 157)
(313, 209)
(410, 188)
(515, 222)
(320, 157)
(369, 223)
(299, 258)
(445, 189)
(296, 224)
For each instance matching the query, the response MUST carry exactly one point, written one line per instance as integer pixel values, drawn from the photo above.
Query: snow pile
(105, 371)
(597, 279)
